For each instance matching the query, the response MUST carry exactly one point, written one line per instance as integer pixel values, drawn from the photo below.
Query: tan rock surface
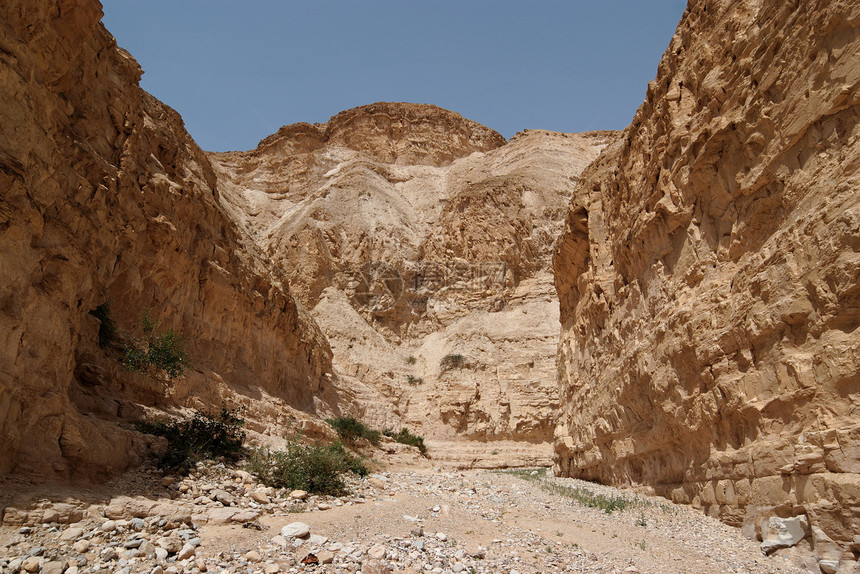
(106, 198)
(412, 232)
(709, 274)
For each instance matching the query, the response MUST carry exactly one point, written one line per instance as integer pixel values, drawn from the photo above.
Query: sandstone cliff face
(413, 232)
(106, 198)
(709, 274)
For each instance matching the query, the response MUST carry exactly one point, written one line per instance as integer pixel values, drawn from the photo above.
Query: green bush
(406, 437)
(203, 435)
(453, 361)
(350, 430)
(107, 328)
(164, 351)
(413, 380)
(411, 360)
(318, 469)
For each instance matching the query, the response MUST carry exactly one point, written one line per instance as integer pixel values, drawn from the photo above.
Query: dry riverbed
(414, 520)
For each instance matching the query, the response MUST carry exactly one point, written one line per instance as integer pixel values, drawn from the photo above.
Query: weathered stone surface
(296, 530)
(107, 199)
(400, 257)
(783, 532)
(709, 273)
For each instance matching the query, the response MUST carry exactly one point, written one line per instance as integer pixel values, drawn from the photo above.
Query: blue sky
(239, 70)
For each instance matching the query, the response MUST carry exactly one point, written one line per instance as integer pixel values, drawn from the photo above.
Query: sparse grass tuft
(413, 380)
(584, 496)
(411, 360)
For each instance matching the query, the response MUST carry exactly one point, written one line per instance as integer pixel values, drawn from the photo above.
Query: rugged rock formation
(709, 274)
(414, 234)
(106, 198)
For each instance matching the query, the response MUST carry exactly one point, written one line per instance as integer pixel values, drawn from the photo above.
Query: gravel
(426, 521)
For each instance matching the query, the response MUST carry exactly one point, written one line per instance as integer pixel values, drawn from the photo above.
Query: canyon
(411, 268)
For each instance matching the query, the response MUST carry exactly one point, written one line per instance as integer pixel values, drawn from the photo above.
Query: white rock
(783, 532)
(317, 539)
(186, 552)
(298, 495)
(72, 533)
(441, 536)
(295, 530)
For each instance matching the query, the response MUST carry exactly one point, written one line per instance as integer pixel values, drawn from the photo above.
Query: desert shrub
(318, 469)
(107, 328)
(406, 437)
(164, 351)
(452, 361)
(413, 380)
(201, 436)
(350, 430)
(411, 360)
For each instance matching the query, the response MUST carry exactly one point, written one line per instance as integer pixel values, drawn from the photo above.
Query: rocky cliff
(709, 274)
(414, 234)
(107, 199)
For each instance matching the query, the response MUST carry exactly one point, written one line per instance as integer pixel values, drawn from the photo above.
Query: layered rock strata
(709, 274)
(414, 235)
(107, 199)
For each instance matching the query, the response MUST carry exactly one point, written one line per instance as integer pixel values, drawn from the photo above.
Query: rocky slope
(107, 199)
(414, 234)
(709, 276)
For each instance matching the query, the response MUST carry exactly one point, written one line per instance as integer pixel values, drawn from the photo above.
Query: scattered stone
(224, 497)
(310, 559)
(296, 530)
(783, 532)
(377, 551)
(30, 564)
(325, 556)
(253, 556)
(108, 525)
(187, 551)
(53, 567)
(374, 567)
(441, 536)
(72, 533)
(317, 539)
(260, 497)
(298, 495)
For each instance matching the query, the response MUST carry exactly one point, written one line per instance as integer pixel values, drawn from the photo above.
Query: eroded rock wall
(413, 233)
(105, 197)
(709, 274)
